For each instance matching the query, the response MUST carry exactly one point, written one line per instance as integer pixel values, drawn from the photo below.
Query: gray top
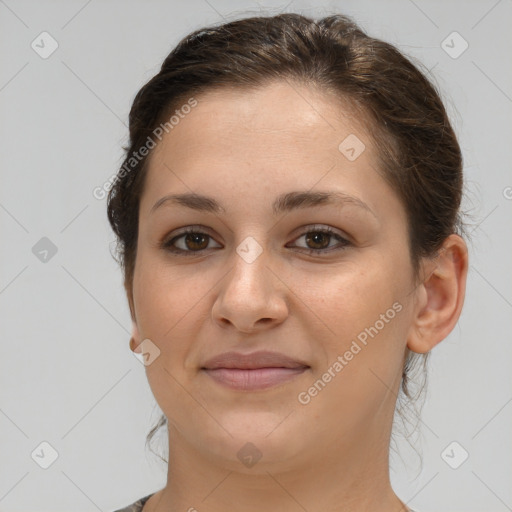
(139, 504)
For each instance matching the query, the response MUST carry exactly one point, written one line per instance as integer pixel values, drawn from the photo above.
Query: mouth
(255, 379)
(252, 372)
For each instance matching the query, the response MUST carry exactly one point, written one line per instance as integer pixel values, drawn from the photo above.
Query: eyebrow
(283, 203)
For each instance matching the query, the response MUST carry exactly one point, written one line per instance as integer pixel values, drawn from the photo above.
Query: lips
(262, 359)
(251, 372)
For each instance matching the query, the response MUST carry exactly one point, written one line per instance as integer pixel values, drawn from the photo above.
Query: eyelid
(325, 228)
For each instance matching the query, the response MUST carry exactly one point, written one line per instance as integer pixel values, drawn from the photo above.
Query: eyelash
(168, 245)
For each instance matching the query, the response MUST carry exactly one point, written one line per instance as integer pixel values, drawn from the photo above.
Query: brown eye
(318, 240)
(188, 242)
(196, 241)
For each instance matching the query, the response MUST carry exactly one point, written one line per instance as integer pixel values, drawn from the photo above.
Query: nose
(252, 297)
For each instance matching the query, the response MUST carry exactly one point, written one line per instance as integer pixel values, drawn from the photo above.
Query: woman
(289, 231)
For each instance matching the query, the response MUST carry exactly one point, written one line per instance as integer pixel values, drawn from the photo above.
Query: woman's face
(246, 283)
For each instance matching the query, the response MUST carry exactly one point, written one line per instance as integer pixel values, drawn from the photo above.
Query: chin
(258, 442)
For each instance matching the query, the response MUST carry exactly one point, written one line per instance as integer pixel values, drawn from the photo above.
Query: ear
(135, 339)
(128, 288)
(440, 296)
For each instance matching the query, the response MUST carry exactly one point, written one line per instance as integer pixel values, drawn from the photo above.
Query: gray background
(67, 375)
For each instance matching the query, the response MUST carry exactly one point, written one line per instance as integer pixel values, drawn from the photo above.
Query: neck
(350, 476)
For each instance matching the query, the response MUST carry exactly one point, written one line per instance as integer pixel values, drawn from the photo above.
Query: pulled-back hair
(418, 152)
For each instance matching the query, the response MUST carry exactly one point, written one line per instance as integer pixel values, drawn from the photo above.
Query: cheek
(352, 300)
(172, 308)
(367, 320)
(164, 297)
(168, 305)
(366, 312)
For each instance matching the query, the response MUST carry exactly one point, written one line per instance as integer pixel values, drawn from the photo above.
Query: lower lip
(255, 379)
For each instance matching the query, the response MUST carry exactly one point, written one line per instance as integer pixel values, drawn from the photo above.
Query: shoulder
(136, 506)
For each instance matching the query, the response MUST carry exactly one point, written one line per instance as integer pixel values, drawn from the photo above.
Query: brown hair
(418, 150)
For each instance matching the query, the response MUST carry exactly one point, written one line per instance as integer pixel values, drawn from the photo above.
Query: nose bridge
(250, 273)
(250, 292)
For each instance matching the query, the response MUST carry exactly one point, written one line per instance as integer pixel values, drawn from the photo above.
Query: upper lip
(253, 360)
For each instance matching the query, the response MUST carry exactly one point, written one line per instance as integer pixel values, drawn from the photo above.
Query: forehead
(280, 112)
(267, 138)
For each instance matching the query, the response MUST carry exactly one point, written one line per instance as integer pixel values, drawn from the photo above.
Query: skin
(244, 148)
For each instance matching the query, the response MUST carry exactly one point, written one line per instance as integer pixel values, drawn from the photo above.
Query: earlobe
(440, 297)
